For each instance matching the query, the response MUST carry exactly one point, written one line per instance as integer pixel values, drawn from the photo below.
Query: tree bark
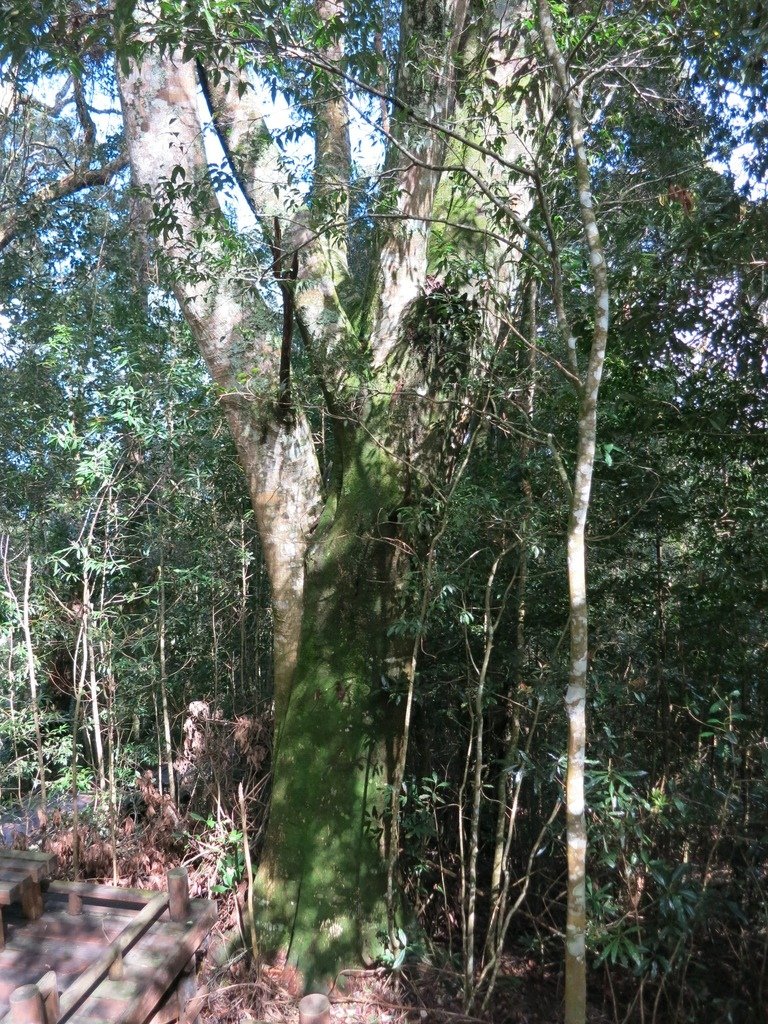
(323, 868)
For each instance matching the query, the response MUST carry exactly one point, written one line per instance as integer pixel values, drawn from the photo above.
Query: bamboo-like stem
(98, 740)
(32, 676)
(490, 626)
(250, 902)
(79, 670)
(399, 773)
(512, 720)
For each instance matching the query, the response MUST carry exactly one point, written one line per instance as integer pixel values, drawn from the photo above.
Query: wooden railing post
(178, 907)
(117, 968)
(178, 894)
(315, 1009)
(27, 1006)
(36, 1004)
(48, 987)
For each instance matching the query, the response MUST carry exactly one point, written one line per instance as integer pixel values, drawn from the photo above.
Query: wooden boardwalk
(120, 955)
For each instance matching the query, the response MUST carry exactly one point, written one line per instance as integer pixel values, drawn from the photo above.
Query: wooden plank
(94, 974)
(102, 1009)
(29, 855)
(57, 907)
(33, 856)
(15, 870)
(88, 928)
(183, 941)
(20, 880)
(154, 952)
(168, 1010)
(103, 893)
(125, 989)
(36, 863)
(78, 953)
(106, 1006)
(10, 890)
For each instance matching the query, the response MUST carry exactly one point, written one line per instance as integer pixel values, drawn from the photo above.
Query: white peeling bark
(403, 254)
(576, 694)
(237, 337)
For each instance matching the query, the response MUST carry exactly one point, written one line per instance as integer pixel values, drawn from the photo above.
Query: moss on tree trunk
(323, 877)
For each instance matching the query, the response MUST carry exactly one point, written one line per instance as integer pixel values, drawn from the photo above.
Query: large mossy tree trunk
(323, 874)
(392, 352)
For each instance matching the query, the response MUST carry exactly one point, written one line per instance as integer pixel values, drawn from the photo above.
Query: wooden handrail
(93, 893)
(79, 991)
(41, 1004)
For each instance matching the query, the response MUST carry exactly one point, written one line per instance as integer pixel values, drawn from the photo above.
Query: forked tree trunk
(333, 558)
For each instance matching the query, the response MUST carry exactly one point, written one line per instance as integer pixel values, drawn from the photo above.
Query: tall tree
(389, 350)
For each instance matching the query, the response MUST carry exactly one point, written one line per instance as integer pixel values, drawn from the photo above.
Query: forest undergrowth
(136, 842)
(236, 988)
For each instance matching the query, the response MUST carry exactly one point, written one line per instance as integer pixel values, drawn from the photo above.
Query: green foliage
(110, 467)
(226, 844)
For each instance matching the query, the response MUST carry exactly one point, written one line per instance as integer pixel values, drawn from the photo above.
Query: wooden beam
(103, 893)
(10, 891)
(31, 858)
(31, 869)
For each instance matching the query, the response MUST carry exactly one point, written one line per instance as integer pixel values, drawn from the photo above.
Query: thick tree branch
(286, 272)
(237, 336)
(84, 116)
(403, 254)
(239, 122)
(333, 153)
(78, 180)
(325, 288)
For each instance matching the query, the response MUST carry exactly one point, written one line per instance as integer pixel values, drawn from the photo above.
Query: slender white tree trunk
(161, 629)
(32, 675)
(576, 694)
